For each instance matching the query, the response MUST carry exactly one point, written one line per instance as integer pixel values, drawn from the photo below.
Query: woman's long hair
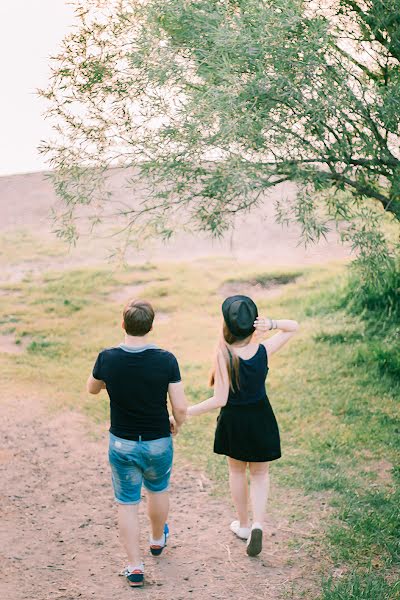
(231, 359)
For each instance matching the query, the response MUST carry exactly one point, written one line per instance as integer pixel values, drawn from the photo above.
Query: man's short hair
(138, 317)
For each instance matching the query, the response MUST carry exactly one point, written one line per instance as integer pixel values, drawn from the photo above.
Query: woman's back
(252, 375)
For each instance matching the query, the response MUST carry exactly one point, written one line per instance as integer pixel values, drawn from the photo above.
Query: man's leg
(128, 523)
(157, 509)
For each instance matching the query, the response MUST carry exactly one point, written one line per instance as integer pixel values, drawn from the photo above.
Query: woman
(247, 431)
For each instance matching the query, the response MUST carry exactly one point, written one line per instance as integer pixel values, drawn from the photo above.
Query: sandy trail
(59, 536)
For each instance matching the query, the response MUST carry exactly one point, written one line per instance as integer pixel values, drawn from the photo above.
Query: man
(138, 377)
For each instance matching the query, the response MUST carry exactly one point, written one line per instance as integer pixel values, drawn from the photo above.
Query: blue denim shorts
(133, 463)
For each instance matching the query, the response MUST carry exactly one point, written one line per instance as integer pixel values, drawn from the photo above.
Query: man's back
(137, 380)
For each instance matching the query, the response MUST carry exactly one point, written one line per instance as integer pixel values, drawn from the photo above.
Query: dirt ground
(58, 530)
(59, 536)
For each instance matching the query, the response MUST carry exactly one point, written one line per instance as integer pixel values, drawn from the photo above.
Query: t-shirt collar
(137, 348)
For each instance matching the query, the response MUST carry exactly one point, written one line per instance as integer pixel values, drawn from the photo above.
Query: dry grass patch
(126, 293)
(264, 285)
(9, 344)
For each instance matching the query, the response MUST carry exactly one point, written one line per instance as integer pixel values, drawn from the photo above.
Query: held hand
(173, 426)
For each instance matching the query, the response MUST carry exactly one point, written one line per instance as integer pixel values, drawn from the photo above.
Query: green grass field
(335, 401)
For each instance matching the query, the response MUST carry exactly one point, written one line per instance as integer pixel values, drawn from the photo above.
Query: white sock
(257, 526)
(132, 568)
(160, 542)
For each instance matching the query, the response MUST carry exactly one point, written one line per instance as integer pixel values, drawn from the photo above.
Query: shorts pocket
(156, 448)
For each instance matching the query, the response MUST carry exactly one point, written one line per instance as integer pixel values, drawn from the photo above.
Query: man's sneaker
(254, 543)
(135, 576)
(242, 532)
(157, 548)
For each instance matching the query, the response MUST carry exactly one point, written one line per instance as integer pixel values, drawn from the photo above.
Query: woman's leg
(238, 486)
(259, 489)
(157, 509)
(128, 523)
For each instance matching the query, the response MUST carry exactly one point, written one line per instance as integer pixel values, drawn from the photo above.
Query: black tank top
(252, 375)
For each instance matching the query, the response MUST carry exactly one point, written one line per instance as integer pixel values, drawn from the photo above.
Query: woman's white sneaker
(242, 532)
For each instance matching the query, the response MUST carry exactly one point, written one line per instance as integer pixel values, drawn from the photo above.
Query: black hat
(240, 312)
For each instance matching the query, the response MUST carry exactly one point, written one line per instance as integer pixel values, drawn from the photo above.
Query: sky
(30, 32)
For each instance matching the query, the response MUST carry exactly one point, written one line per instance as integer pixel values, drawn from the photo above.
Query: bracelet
(274, 324)
(270, 323)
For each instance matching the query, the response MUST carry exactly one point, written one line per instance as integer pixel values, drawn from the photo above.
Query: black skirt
(248, 432)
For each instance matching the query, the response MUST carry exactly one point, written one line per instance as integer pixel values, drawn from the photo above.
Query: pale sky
(30, 31)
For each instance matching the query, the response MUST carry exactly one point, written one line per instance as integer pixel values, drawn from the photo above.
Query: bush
(377, 298)
(385, 358)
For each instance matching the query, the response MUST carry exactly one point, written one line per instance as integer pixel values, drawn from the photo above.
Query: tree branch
(388, 203)
(371, 74)
(375, 32)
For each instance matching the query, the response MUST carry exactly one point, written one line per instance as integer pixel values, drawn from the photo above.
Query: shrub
(378, 298)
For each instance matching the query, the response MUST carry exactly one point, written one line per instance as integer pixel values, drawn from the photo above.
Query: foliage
(371, 298)
(212, 103)
(376, 292)
(373, 292)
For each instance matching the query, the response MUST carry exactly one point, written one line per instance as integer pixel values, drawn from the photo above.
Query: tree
(213, 102)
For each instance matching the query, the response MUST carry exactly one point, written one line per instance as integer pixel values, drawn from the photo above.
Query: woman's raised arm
(287, 327)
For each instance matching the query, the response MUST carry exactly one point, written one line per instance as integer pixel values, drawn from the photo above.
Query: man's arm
(94, 386)
(177, 397)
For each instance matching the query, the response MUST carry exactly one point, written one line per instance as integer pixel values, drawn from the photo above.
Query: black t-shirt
(137, 382)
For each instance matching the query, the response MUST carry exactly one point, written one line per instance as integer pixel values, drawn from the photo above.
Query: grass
(26, 247)
(334, 390)
(369, 528)
(367, 586)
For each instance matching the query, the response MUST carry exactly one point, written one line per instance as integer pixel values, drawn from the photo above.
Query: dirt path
(59, 538)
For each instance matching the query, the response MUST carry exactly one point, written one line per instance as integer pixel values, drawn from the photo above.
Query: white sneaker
(242, 532)
(134, 575)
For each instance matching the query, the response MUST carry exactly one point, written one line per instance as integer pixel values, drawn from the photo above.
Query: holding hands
(173, 426)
